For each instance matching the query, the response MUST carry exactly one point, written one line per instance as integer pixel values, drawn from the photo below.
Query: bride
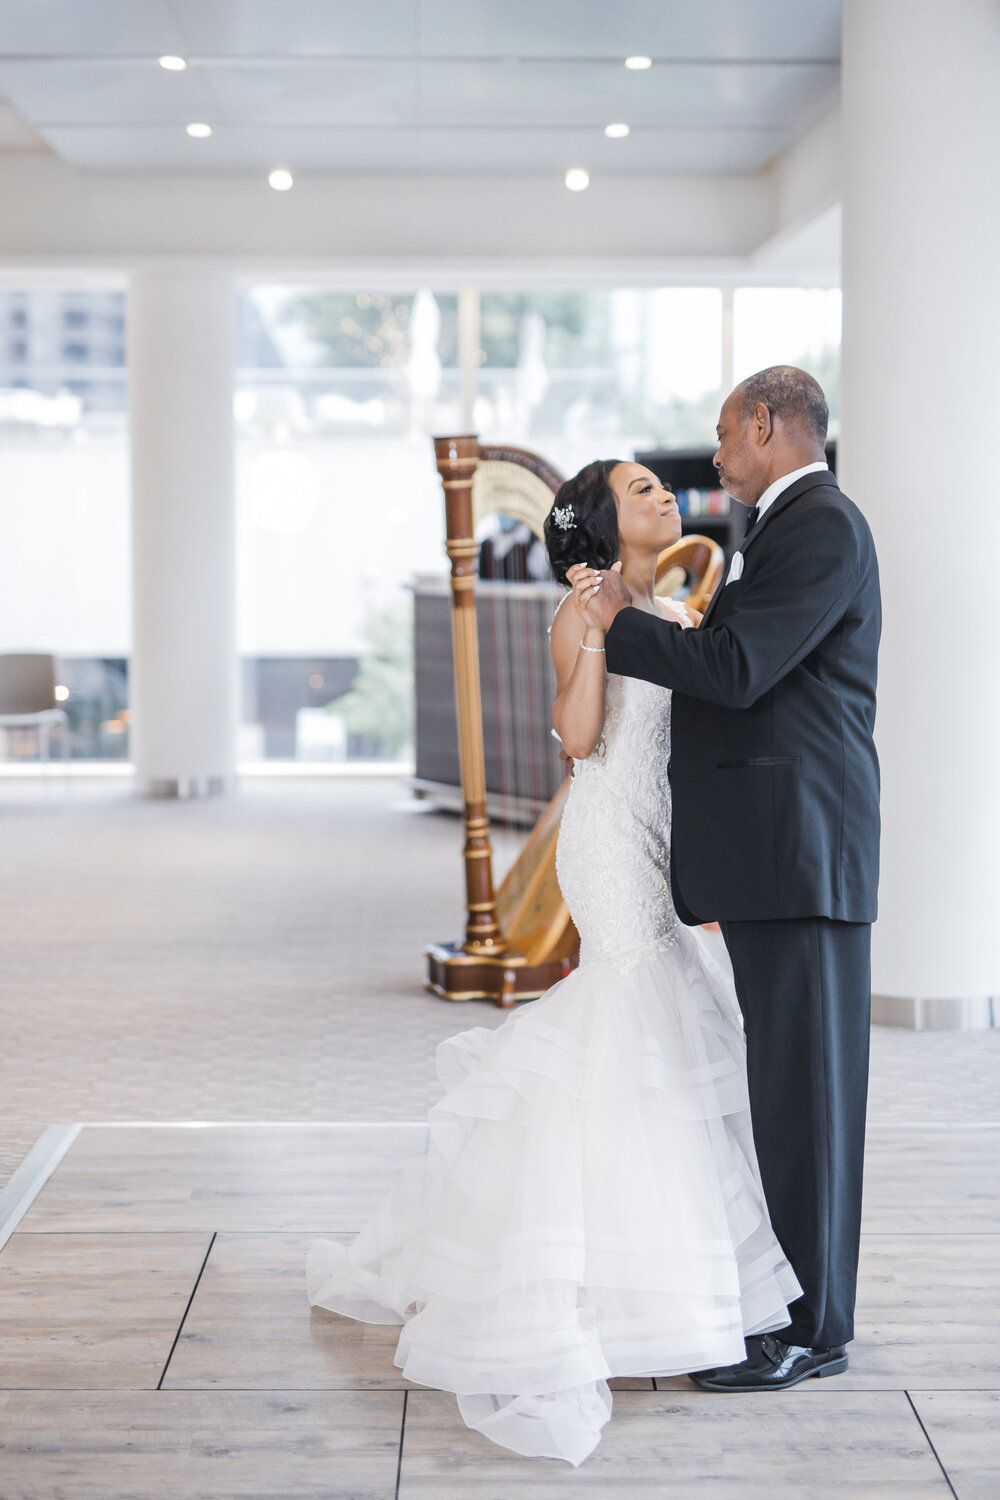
(590, 1204)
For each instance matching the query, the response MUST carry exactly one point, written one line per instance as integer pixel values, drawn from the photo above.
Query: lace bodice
(613, 856)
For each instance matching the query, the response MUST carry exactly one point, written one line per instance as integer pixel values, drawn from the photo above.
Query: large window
(790, 326)
(582, 374)
(339, 506)
(64, 574)
(339, 501)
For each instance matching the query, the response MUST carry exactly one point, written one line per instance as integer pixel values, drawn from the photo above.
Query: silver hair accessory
(563, 516)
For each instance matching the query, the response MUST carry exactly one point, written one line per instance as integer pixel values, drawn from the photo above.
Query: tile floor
(155, 1340)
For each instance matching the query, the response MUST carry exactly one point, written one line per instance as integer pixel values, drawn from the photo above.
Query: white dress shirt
(767, 499)
(774, 490)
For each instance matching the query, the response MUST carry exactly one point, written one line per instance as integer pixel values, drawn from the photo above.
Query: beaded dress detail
(589, 1205)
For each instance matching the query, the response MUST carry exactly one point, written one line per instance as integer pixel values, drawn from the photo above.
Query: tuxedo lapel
(807, 482)
(712, 602)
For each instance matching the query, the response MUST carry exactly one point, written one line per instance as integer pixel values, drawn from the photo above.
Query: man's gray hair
(788, 393)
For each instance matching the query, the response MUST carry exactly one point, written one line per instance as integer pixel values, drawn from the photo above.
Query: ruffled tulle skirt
(589, 1206)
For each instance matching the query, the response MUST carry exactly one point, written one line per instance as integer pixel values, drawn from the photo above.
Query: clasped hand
(598, 594)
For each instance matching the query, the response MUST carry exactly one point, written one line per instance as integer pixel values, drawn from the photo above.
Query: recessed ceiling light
(577, 179)
(200, 132)
(616, 132)
(173, 64)
(281, 180)
(637, 64)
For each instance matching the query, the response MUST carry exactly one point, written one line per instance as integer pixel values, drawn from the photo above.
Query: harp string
(529, 694)
(532, 695)
(516, 643)
(505, 701)
(499, 746)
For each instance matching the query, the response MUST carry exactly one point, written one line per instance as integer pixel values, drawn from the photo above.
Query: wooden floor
(155, 1341)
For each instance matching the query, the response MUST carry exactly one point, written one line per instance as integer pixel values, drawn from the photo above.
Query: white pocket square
(735, 568)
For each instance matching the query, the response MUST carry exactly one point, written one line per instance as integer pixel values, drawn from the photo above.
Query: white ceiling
(430, 86)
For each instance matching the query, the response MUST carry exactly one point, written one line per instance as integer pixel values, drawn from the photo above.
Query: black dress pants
(804, 987)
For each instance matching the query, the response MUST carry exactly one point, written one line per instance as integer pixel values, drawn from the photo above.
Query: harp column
(183, 687)
(920, 396)
(457, 459)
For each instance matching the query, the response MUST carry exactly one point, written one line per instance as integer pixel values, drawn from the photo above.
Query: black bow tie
(753, 516)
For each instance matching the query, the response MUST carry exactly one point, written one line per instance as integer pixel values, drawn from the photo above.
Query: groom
(775, 832)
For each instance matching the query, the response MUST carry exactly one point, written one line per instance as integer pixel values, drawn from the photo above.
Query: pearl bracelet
(597, 650)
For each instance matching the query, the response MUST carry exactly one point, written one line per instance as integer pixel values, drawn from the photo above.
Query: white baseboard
(921, 1013)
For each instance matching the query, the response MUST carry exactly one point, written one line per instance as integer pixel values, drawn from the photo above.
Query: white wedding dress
(589, 1205)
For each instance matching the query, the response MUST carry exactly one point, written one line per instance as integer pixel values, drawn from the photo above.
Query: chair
(28, 698)
(700, 560)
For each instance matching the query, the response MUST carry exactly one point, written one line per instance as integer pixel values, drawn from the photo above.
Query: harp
(695, 563)
(520, 939)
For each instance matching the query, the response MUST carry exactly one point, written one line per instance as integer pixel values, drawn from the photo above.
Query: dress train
(589, 1205)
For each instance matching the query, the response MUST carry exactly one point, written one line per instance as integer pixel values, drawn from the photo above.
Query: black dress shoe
(772, 1365)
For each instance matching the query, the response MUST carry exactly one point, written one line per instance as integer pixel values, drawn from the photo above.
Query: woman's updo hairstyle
(582, 526)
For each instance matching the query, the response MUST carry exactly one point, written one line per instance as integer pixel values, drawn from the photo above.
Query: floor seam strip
(390, 1390)
(402, 1432)
(180, 1326)
(936, 1454)
(31, 1176)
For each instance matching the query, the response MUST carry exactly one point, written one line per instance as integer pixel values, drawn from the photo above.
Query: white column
(468, 352)
(919, 452)
(183, 682)
(728, 338)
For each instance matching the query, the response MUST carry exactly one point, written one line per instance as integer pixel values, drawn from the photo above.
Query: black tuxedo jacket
(773, 768)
